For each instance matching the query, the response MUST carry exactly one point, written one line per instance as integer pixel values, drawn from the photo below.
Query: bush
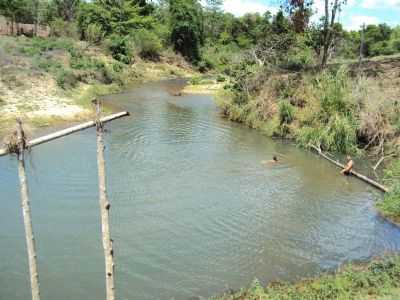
(38, 46)
(121, 48)
(94, 34)
(286, 112)
(339, 135)
(334, 91)
(147, 44)
(61, 28)
(392, 173)
(195, 80)
(390, 206)
(66, 79)
(221, 78)
(299, 58)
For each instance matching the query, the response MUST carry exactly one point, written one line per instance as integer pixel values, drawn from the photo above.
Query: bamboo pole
(68, 131)
(104, 209)
(354, 173)
(26, 212)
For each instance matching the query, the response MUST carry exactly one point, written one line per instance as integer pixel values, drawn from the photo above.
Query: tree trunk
(36, 18)
(26, 211)
(105, 210)
(325, 38)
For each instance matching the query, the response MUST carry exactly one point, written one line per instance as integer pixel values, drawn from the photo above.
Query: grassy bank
(379, 280)
(338, 110)
(53, 80)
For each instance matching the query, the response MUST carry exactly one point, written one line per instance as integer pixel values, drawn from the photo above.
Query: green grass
(390, 205)
(379, 280)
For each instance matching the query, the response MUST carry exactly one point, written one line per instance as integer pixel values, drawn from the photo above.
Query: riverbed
(194, 212)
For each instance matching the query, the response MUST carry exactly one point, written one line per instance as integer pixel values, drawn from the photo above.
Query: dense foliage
(203, 33)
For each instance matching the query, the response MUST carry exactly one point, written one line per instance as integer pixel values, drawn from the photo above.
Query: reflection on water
(194, 211)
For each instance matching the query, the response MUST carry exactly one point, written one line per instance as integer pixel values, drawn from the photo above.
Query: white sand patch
(36, 97)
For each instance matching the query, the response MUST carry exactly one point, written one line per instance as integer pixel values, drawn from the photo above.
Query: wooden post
(104, 209)
(26, 211)
(360, 57)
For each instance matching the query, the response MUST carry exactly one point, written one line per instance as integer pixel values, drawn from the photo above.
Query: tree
(299, 12)
(331, 11)
(65, 9)
(17, 11)
(186, 27)
(279, 23)
(113, 16)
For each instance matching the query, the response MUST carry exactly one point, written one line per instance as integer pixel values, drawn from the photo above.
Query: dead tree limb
(354, 173)
(26, 212)
(104, 209)
(381, 160)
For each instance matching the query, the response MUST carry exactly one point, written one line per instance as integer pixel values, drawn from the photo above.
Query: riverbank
(48, 82)
(377, 280)
(337, 110)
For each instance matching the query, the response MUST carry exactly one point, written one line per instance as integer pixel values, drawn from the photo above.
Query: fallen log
(68, 131)
(354, 173)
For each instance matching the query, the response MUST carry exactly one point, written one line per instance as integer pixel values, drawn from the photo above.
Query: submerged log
(68, 131)
(354, 173)
(26, 212)
(104, 209)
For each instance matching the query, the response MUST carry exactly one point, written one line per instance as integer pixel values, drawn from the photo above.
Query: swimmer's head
(275, 158)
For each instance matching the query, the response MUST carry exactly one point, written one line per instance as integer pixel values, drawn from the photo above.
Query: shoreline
(358, 280)
(36, 124)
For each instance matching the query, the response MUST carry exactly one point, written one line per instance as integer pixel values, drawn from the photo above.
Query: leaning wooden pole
(68, 131)
(354, 173)
(26, 212)
(104, 209)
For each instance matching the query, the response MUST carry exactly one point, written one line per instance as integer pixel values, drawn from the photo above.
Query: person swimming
(274, 160)
(348, 167)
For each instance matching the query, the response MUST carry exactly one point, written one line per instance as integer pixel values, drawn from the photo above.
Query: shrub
(195, 80)
(338, 135)
(299, 58)
(66, 79)
(38, 45)
(286, 112)
(390, 205)
(94, 33)
(61, 28)
(147, 44)
(334, 92)
(121, 48)
(221, 78)
(392, 173)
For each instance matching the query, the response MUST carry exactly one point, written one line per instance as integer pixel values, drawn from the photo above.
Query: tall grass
(390, 206)
(379, 278)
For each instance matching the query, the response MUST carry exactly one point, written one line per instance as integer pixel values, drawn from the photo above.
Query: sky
(353, 15)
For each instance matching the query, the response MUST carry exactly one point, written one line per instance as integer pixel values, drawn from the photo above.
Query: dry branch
(68, 131)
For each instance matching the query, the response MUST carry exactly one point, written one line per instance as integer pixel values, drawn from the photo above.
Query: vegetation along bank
(313, 82)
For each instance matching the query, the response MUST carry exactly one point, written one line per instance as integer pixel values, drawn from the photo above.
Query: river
(194, 212)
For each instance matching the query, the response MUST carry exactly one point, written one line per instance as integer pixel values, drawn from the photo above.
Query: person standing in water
(349, 166)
